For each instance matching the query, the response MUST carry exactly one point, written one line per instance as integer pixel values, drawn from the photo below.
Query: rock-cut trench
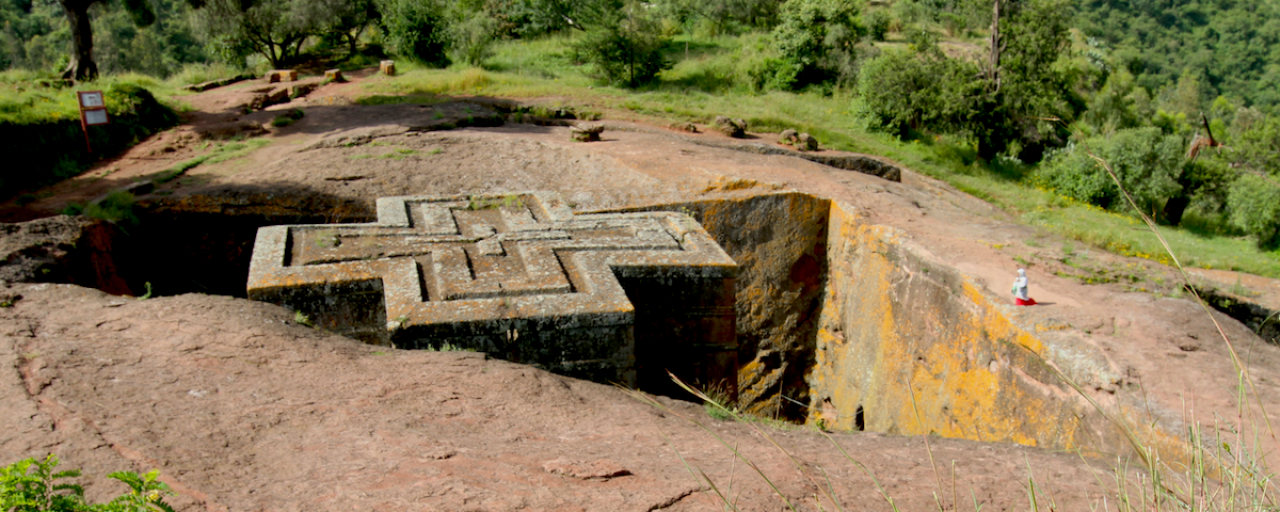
(837, 322)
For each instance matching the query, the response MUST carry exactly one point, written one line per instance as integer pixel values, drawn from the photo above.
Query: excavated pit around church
(836, 321)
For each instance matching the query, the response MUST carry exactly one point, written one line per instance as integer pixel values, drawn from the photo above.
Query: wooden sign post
(93, 111)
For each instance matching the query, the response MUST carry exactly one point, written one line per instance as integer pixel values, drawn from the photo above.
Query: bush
(116, 208)
(416, 29)
(625, 50)
(762, 68)
(287, 118)
(1254, 203)
(904, 91)
(1149, 164)
(877, 23)
(471, 36)
(818, 37)
(32, 485)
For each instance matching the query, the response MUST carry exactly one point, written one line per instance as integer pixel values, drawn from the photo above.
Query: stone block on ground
(282, 75)
(334, 75)
(806, 142)
(736, 128)
(685, 127)
(586, 132)
(608, 297)
(387, 67)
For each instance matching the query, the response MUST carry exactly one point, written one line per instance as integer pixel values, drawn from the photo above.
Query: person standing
(1020, 296)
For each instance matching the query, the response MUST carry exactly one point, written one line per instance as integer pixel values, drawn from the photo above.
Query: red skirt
(1028, 302)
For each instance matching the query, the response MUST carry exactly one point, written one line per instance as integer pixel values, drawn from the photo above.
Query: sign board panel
(91, 99)
(95, 117)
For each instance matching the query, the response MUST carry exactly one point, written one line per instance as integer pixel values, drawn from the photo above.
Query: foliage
(287, 118)
(906, 90)
(626, 49)
(1229, 48)
(471, 35)
(1148, 163)
(117, 207)
(44, 121)
(817, 38)
(1254, 203)
(416, 29)
(158, 49)
(1031, 91)
(32, 485)
(716, 17)
(1258, 145)
(1119, 104)
(276, 29)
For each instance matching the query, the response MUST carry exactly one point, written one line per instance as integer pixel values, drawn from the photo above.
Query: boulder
(736, 128)
(586, 133)
(806, 142)
(685, 127)
(788, 137)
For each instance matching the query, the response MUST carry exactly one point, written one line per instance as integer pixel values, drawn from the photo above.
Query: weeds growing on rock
(33, 485)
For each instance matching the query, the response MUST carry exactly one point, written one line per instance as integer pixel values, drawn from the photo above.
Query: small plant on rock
(32, 485)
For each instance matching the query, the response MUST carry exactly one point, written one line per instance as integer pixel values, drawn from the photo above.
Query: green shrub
(1254, 203)
(762, 68)
(905, 91)
(819, 37)
(416, 29)
(116, 207)
(471, 36)
(1148, 163)
(877, 23)
(626, 49)
(287, 118)
(32, 485)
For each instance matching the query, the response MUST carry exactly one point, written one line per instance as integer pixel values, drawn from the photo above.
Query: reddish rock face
(612, 297)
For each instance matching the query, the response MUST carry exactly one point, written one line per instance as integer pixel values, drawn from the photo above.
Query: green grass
(221, 152)
(26, 99)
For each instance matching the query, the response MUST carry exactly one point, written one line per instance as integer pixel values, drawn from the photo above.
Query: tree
(82, 67)
(416, 28)
(276, 29)
(817, 37)
(1027, 99)
(1254, 202)
(912, 90)
(626, 48)
(1149, 163)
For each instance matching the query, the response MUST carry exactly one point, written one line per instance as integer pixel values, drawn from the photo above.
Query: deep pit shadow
(200, 243)
(203, 243)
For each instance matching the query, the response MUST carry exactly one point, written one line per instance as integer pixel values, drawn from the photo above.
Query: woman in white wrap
(1020, 296)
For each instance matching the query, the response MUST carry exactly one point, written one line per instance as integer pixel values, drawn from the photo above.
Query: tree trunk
(81, 67)
(1174, 208)
(994, 72)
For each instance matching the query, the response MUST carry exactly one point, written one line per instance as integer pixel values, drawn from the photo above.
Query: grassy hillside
(701, 87)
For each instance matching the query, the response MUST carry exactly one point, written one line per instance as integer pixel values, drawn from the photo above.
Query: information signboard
(93, 111)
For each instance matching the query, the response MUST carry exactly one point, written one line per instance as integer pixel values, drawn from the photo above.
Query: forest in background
(1178, 95)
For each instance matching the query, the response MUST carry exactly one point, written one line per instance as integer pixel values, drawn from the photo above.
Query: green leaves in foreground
(32, 485)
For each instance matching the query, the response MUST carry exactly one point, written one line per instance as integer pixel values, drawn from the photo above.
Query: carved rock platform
(610, 297)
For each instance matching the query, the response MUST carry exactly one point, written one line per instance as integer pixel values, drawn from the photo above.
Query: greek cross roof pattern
(448, 264)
